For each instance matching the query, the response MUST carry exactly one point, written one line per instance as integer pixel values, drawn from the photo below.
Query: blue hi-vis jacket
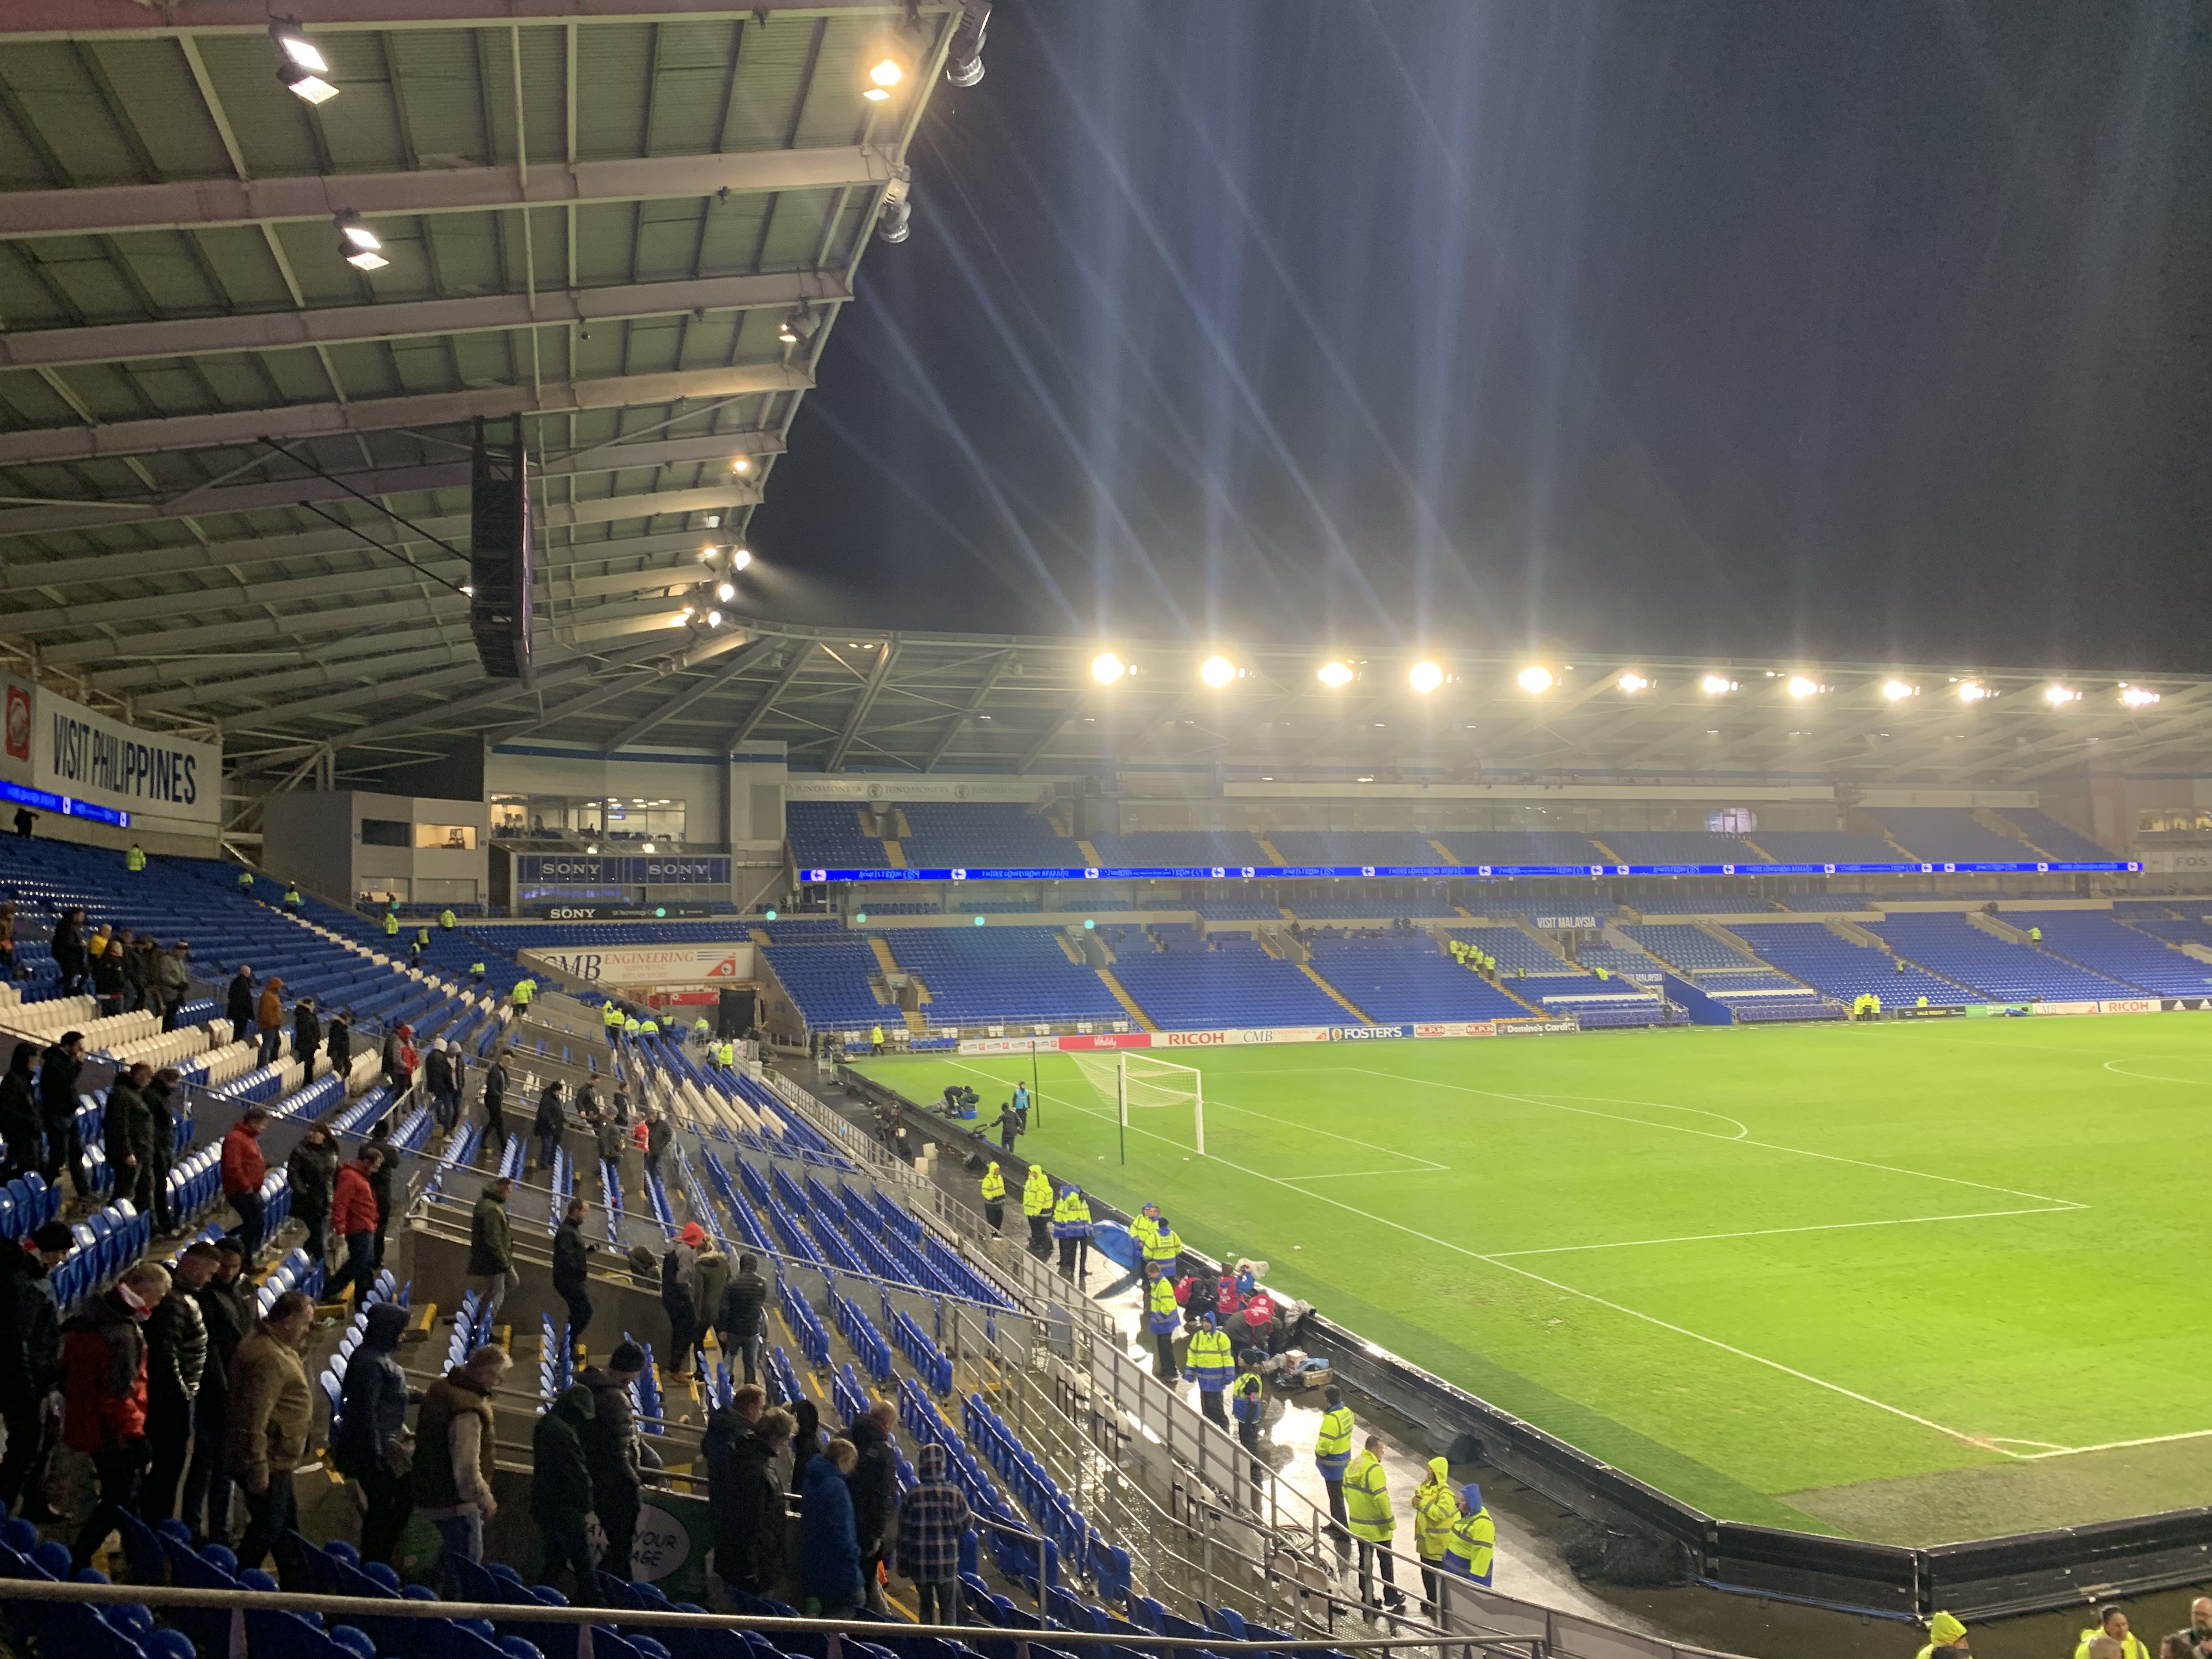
(1161, 1310)
(1210, 1360)
(1247, 1398)
(1070, 1216)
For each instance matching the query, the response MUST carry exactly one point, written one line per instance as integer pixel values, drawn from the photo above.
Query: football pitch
(1913, 1283)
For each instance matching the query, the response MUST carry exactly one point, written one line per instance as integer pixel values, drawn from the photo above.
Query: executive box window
(385, 832)
(454, 837)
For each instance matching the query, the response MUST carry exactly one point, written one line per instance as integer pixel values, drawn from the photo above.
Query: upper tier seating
(1514, 948)
(826, 835)
(1951, 835)
(1694, 904)
(1823, 847)
(828, 978)
(1323, 905)
(987, 835)
(2054, 837)
(1477, 846)
(1956, 949)
(2106, 945)
(1181, 848)
(1403, 978)
(989, 974)
(1236, 984)
(1362, 847)
(1825, 903)
(1845, 971)
(1680, 847)
(1236, 904)
(1691, 949)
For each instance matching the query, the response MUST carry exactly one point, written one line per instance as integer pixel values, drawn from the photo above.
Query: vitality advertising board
(650, 964)
(1246, 1036)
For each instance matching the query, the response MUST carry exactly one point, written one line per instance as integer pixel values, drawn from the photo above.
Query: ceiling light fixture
(1897, 691)
(357, 244)
(1717, 686)
(741, 465)
(2059, 695)
(304, 71)
(726, 592)
(1802, 687)
(1425, 678)
(1533, 679)
(1216, 671)
(2137, 696)
(1106, 668)
(1335, 675)
(1630, 680)
(1973, 691)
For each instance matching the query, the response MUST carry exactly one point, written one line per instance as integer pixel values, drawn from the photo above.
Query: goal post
(1143, 1082)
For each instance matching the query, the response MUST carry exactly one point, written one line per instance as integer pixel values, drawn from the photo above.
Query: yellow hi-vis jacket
(1161, 1306)
(1474, 1543)
(523, 990)
(1143, 1228)
(1036, 1192)
(1367, 1499)
(391, 925)
(1332, 1445)
(611, 1017)
(1209, 1360)
(1070, 1216)
(994, 1185)
(446, 919)
(725, 1052)
(1164, 1246)
(134, 860)
(1436, 1512)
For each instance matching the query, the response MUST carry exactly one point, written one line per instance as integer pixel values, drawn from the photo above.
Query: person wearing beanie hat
(612, 1451)
(1944, 1631)
(561, 1489)
(372, 1419)
(680, 1296)
(1435, 1511)
(932, 1520)
(1474, 1542)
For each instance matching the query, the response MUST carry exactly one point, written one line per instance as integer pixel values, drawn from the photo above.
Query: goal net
(1161, 1096)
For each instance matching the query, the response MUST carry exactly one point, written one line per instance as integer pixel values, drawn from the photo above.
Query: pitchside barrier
(2023, 1572)
(1500, 871)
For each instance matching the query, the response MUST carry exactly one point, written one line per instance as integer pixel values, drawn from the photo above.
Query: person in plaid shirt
(932, 1519)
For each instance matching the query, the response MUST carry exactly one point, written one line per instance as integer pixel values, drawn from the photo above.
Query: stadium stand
(1680, 846)
(1845, 970)
(1399, 978)
(1513, 949)
(1360, 846)
(828, 834)
(1232, 905)
(829, 978)
(1951, 946)
(1359, 906)
(990, 835)
(1821, 846)
(2105, 945)
(1950, 834)
(1691, 949)
(1694, 904)
(2052, 837)
(1181, 849)
(1236, 984)
(1479, 847)
(1001, 973)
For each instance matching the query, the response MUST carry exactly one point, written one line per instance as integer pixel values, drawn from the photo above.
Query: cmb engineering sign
(650, 964)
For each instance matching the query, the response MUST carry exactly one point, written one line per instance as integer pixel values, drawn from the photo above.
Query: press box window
(454, 837)
(385, 832)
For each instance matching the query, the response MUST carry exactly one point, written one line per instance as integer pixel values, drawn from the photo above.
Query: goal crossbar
(1142, 1081)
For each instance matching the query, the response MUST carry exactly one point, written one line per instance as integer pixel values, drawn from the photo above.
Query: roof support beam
(1053, 729)
(235, 429)
(205, 203)
(959, 723)
(342, 325)
(215, 502)
(259, 688)
(886, 655)
(750, 657)
(70, 20)
(769, 699)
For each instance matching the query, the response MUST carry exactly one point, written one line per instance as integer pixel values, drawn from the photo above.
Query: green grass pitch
(1916, 1281)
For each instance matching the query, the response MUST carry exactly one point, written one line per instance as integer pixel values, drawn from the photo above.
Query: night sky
(1861, 332)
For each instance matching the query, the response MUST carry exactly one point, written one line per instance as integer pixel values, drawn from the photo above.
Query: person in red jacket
(353, 1217)
(104, 1395)
(243, 1169)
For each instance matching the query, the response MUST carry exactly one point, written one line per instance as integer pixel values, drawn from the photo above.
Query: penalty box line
(1980, 1442)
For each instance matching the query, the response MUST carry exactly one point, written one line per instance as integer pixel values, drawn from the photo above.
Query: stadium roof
(233, 468)
(912, 703)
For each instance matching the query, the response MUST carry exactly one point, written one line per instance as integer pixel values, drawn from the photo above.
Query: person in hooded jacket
(126, 1133)
(312, 1173)
(370, 1446)
(354, 1214)
(227, 1312)
(30, 1357)
(306, 1036)
(1436, 1512)
(160, 1096)
(104, 1395)
(107, 974)
(337, 1042)
(549, 1124)
(679, 1297)
(269, 1016)
(572, 1274)
(438, 1078)
(399, 1059)
(495, 1100)
(829, 1547)
(19, 1110)
(173, 982)
(561, 1490)
(744, 1497)
(612, 1449)
(238, 1003)
(737, 1316)
(381, 1177)
(57, 1102)
(874, 1481)
(710, 1280)
(68, 948)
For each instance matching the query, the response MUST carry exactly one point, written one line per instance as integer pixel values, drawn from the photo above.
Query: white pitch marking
(1603, 1302)
(1764, 1146)
(1768, 1233)
(2113, 1066)
(1347, 1174)
(2110, 1445)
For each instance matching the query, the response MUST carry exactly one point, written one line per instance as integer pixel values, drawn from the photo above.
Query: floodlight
(592, 850)
(469, 589)
(1216, 671)
(1973, 691)
(739, 558)
(2059, 695)
(1897, 691)
(357, 244)
(798, 325)
(292, 40)
(1632, 681)
(726, 592)
(741, 464)
(2137, 696)
(1802, 687)
(1715, 685)
(648, 847)
(707, 554)
(1535, 679)
(713, 619)
(1424, 676)
(1335, 675)
(887, 72)
(771, 916)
